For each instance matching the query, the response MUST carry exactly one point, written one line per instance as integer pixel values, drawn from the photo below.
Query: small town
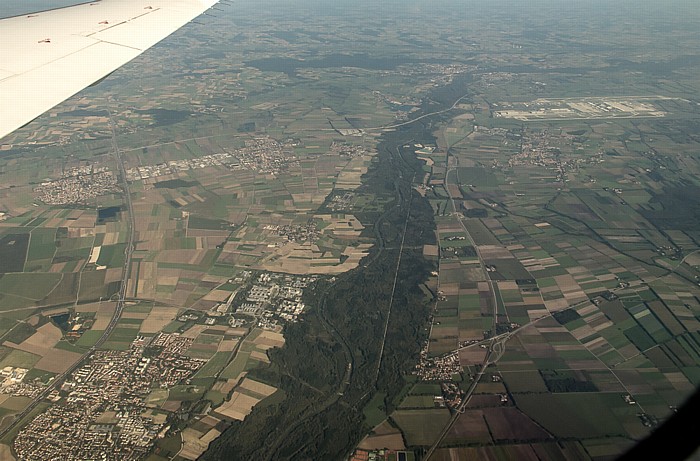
(264, 155)
(175, 166)
(100, 411)
(438, 368)
(297, 233)
(78, 186)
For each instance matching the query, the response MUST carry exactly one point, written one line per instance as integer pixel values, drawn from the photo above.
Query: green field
(186, 392)
(421, 427)
(123, 334)
(30, 286)
(214, 365)
(237, 366)
(89, 338)
(21, 359)
(418, 401)
(374, 411)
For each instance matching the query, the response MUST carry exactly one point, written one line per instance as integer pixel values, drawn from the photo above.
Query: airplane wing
(47, 57)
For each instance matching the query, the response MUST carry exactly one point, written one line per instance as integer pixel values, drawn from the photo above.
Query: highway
(126, 272)
(497, 343)
(128, 252)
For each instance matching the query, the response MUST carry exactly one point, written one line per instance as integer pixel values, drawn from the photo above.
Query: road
(126, 269)
(496, 346)
(393, 287)
(460, 409)
(121, 301)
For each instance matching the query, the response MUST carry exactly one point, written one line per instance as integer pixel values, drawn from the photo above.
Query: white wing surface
(47, 57)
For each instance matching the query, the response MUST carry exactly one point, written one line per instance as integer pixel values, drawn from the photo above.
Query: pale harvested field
(182, 256)
(379, 442)
(237, 331)
(195, 331)
(495, 252)
(385, 428)
(172, 405)
(53, 222)
(104, 315)
(225, 386)
(57, 361)
(351, 176)
(693, 259)
(135, 315)
(158, 318)
(168, 272)
(257, 355)
(382, 436)
(212, 278)
(150, 240)
(258, 387)
(238, 407)
(218, 296)
(157, 397)
(111, 238)
(449, 228)
(210, 421)
(92, 307)
(227, 345)
(179, 297)
(207, 233)
(430, 250)
(6, 453)
(269, 338)
(449, 289)
(314, 199)
(508, 285)
(466, 334)
(530, 300)
(147, 280)
(192, 446)
(42, 341)
(210, 436)
(556, 304)
(17, 403)
(113, 275)
(168, 280)
(108, 417)
(57, 268)
(86, 220)
(469, 357)
(294, 258)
